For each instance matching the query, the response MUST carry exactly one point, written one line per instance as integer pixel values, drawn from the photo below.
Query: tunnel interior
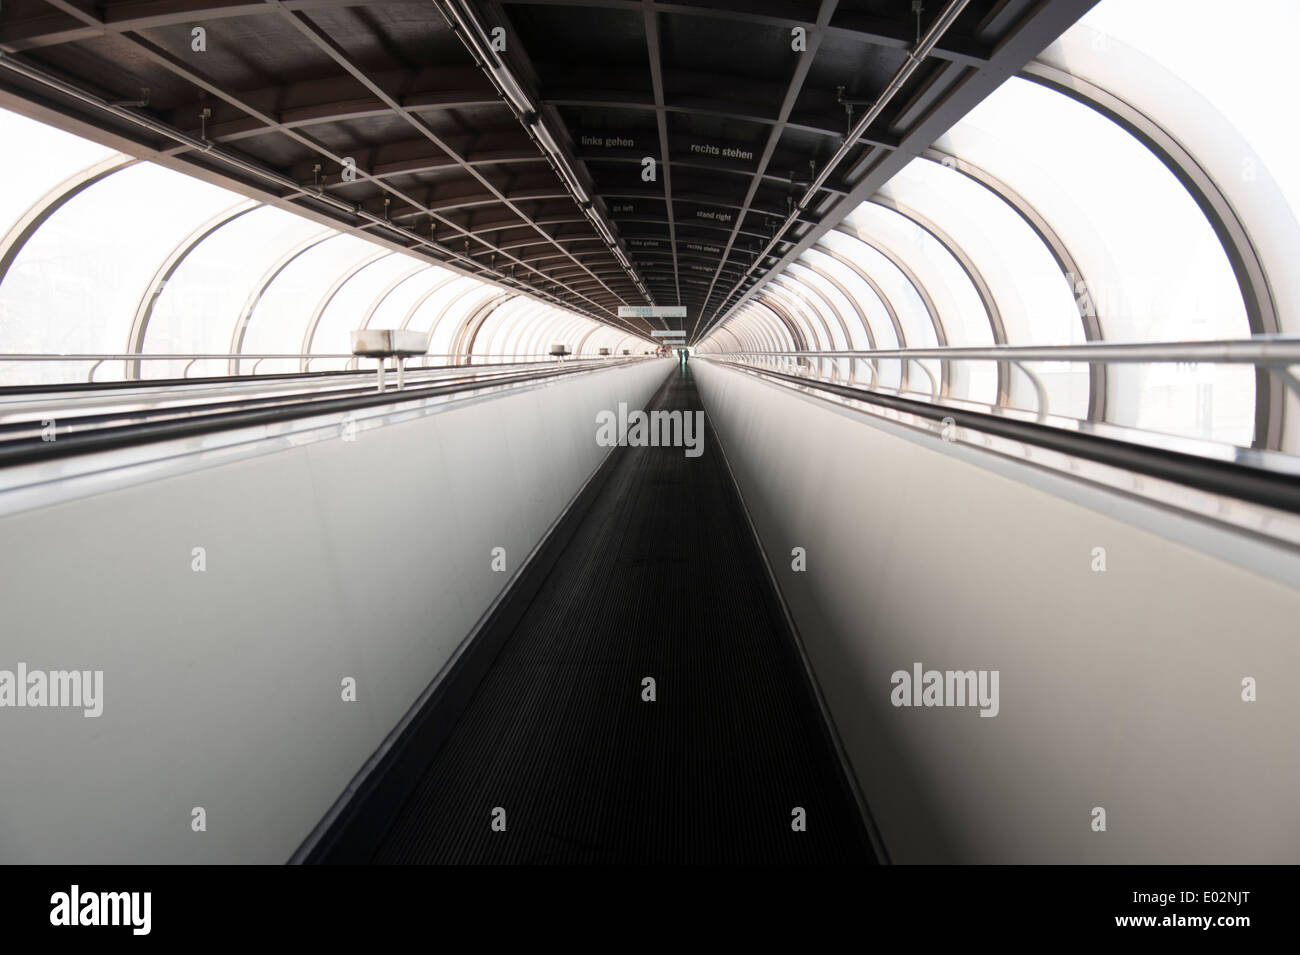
(639, 432)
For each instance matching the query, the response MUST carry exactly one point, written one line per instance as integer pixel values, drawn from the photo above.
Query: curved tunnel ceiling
(514, 145)
(101, 254)
(1123, 186)
(822, 174)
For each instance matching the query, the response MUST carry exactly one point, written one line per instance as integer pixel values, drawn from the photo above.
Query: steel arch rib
(470, 329)
(426, 295)
(328, 297)
(389, 290)
(798, 310)
(927, 300)
(240, 329)
(40, 211)
(162, 275)
(1234, 237)
(991, 310)
(840, 287)
(812, 290)
(900, 333)
(1060, 252)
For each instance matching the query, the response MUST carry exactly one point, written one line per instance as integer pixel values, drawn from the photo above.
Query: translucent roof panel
(796, 282)
(199, 305)
(391, 312)
(345, 309)
(553, 326)
(45, 159)
(523, 318)
(1230, 66)
(449, 319)
(75, 288)
(485, 341)
(513, 335)
(1032, 296)
(606, 337)
(428, 309)
(878, 320)
(564, 333)
(1154, 268)
(281, 314)
(1208, 90)
(768, 326)
(755, 326)
(796, 312)
(957, 305)
(530, 333)
(528, 336)
(961, 312)
(941, 276)
(1034, 299)
(111, 254)
(824, 281)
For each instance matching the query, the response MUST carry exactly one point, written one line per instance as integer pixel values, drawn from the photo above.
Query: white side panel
(367, 559)
(1119, 689)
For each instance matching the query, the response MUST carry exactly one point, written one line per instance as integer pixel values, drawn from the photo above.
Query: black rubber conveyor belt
(661, 578)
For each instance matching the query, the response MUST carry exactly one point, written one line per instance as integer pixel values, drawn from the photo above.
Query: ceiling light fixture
(465, 22)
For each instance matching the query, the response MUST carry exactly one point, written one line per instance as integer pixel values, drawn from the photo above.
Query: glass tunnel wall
(104, 254)
(1130, 185)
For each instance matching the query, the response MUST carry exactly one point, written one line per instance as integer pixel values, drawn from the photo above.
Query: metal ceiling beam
(302, 103)
(852, 26)
(332, 49)
(651, 19)
(814, 38)
(715, 108)
(1038, 28)
(342, 111)
(769, 178)
(712, 201)
(132, 16)
(910, 68)
(416, 156)
(700, 224)
(466, 24)
(265, 174)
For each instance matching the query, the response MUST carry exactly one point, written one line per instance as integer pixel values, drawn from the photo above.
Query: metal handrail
(190, 358)
(1275, 353)
(1259, 350)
